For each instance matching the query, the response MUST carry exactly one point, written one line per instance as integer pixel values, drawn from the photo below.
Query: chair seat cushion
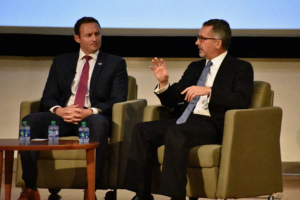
(200, 156)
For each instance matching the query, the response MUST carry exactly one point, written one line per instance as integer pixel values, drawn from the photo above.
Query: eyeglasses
(200, 38)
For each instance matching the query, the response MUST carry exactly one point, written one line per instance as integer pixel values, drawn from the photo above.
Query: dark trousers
(178, 140)
(99, 126)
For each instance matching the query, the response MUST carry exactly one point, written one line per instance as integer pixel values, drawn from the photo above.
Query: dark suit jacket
(108, 85)
(232, 88)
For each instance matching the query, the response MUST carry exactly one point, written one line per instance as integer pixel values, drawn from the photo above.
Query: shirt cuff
(96, 111)
(52, 109)
(161, 90)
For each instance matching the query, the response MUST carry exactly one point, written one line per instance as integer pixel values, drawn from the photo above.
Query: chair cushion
(200, 156)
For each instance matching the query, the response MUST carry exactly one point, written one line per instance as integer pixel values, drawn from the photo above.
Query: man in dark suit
(207, 89)
(80, 87)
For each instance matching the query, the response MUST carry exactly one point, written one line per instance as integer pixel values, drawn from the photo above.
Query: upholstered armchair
(67, 169)
(247, 164)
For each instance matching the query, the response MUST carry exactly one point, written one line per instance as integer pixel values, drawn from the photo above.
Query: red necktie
(82, 86)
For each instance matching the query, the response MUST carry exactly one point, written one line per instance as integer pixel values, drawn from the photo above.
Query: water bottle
(53, 133)
(24, 132)
(84, 134)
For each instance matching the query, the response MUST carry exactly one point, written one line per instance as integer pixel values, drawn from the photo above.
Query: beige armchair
(67, 169)
(248, 163)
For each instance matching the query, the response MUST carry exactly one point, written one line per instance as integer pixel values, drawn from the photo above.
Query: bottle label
(22, 133)
(26, 133)
(53, 133)
(82, 135)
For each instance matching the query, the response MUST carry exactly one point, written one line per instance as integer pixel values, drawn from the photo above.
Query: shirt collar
(93, 55)
(218, 60)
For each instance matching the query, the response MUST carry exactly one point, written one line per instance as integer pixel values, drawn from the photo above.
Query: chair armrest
(28, 107)
(250, 156)
(156, 112)
(125, 116)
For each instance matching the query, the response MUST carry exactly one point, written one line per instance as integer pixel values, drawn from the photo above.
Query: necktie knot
(87, 58)
(209, 64)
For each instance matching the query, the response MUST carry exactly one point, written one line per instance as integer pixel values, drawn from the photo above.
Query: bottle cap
(83, 123)
(53, 122)
(24, 123)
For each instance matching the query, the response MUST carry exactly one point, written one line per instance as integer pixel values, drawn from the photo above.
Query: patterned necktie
(192, 104)
(82, 86)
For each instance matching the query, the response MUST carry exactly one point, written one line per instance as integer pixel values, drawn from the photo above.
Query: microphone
(73, 71)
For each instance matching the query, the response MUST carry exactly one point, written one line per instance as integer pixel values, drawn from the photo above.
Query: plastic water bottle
(53, 133)
(84, 133)
(24, 132)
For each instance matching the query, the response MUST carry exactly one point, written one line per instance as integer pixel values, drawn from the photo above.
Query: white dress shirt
(80, 63)
(201, 107)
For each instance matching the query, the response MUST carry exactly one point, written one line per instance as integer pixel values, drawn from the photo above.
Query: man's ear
(219, 44)
(77, 38)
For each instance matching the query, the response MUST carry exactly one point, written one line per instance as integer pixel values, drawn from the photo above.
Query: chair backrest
(262, 95)
(132, 88)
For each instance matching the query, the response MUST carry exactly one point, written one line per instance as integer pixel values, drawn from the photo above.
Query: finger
(68, 111)
(68, 120)
(77, 110)
(67, 117)
(189, 97)
(186, 97)
(192, 97)
(153, 62)
(162, 62)
(186, 90)
(77, 116)
(156, 61)
(152, 68)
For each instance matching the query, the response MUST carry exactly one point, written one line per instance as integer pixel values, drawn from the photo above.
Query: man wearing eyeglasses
(207, 89)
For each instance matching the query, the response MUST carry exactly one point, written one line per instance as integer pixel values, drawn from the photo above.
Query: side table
(8, 146)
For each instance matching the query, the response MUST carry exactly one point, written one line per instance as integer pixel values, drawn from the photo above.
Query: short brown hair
(84, 20)
(221, 29)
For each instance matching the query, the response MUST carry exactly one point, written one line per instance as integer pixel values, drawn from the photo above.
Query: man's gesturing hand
(73, 114)
(193, 91)
(160, 71)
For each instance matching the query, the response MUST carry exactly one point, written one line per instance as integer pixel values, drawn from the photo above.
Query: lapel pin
(99, 63)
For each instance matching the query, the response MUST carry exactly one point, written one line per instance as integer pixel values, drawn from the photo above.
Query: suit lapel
(100, 63)
(222, 70)
(199, 72)
(71, 68)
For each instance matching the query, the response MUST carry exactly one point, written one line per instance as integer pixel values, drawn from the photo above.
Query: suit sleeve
(51, 94)
(236, 94)
(119, 89)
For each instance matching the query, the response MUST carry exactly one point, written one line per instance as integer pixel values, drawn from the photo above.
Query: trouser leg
(146, 137)
(178, 141)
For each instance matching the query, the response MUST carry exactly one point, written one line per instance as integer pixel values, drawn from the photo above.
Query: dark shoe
(86, 195)
(29, 194)
(143, 197)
